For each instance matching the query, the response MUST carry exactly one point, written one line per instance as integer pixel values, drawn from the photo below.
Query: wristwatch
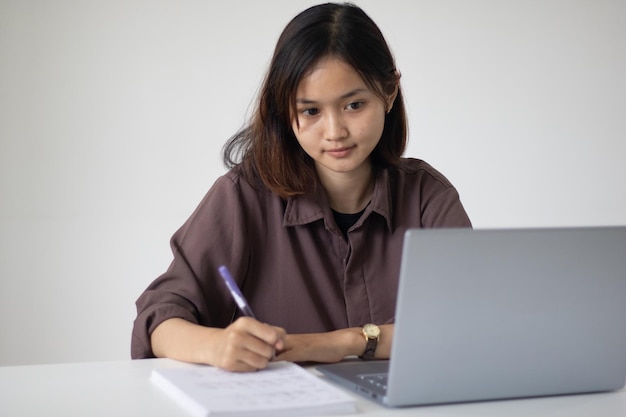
(372, 334)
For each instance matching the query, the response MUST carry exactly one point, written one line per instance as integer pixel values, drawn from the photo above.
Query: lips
(340, 152)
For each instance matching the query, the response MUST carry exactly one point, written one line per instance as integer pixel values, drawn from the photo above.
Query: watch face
(371, 330)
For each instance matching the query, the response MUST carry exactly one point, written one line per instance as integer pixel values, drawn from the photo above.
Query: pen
(235, 292)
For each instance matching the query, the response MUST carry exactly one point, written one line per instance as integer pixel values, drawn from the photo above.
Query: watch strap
(370, 349)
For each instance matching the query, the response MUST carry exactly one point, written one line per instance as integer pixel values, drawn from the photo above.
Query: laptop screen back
(509, 313)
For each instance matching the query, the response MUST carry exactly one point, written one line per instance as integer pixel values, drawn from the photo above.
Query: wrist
(371, 334)
(346, 342)
(353, 341)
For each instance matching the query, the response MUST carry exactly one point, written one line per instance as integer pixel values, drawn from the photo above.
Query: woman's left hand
(332, 346)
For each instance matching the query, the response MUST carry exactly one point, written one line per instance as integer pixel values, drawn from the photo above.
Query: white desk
(123, 389)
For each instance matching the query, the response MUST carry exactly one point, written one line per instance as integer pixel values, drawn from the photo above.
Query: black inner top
(346, 220)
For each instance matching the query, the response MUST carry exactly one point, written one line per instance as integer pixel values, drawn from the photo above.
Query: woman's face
(338, 120)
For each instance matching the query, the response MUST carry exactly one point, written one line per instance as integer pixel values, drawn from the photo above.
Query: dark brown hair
(267, 148)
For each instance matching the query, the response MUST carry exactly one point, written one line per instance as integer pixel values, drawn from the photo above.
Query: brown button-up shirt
(291, 261)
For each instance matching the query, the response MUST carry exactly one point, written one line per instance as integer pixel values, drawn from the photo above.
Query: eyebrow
(343, 97)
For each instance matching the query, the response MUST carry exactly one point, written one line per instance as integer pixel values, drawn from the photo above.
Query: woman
(310, 219)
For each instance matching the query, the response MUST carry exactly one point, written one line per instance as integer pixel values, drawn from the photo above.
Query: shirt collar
(313, 205)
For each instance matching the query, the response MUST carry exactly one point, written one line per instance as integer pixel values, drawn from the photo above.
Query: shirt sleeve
(191, 289)
(439, 202)
(444, 209)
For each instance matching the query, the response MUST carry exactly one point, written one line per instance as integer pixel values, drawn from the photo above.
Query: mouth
(340, 152)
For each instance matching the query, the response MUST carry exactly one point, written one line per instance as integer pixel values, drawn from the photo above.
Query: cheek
(373, 130)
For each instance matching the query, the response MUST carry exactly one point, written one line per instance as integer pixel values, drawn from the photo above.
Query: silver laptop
(495, 314)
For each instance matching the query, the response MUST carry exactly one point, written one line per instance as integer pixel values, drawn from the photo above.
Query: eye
(309, 112)
(355, 105)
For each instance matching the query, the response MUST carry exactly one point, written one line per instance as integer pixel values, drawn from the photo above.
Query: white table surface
(123, 388)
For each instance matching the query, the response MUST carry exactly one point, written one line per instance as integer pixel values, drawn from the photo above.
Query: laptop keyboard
(378, 380)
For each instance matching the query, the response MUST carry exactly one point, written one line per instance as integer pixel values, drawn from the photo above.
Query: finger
(242, 365)
(251, 362)
(282, 336)
(245, 353)
(271, 335)
(257, 338)
(259, 347)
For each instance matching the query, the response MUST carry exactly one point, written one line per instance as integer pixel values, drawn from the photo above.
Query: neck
(348, 192)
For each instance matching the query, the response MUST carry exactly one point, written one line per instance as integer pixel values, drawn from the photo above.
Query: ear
(391, 98)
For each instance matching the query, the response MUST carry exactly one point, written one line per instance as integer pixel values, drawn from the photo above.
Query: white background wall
(113, 114)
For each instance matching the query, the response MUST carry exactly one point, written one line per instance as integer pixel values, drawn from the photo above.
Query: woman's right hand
(245, 345)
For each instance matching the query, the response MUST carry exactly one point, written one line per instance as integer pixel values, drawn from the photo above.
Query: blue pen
(235, 292)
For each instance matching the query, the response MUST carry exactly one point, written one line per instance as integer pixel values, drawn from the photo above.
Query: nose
(335, 127)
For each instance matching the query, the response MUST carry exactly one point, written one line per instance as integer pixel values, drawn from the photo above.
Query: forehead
(330, 77)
